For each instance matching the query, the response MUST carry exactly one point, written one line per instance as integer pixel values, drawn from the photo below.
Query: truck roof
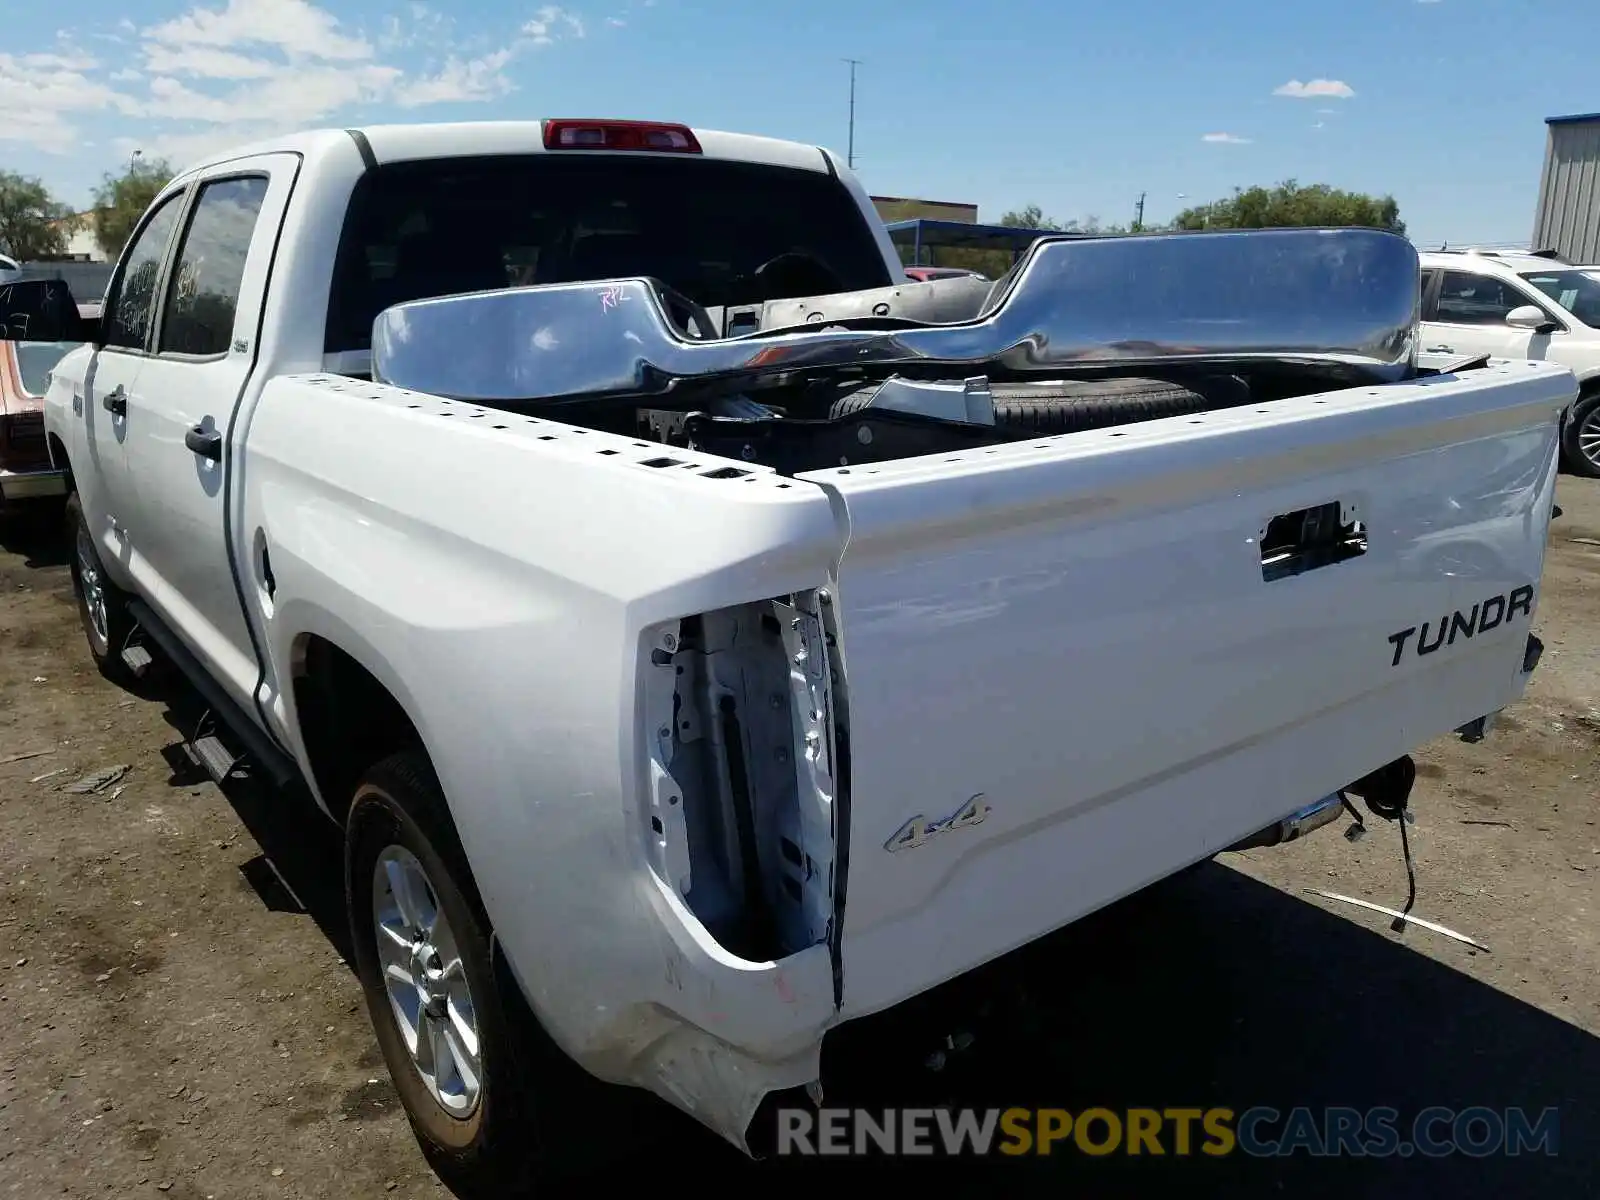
(465, 139)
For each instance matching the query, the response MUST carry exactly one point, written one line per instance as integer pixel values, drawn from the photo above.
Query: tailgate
(1086, 635)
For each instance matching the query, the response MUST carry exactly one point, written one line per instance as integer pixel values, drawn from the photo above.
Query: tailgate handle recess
(1308, 538)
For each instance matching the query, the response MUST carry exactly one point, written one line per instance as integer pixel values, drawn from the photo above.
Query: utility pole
(850, 156)
(1138, 215)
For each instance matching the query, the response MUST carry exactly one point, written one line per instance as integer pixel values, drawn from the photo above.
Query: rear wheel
(421, 943)
(1580, 441)
(102, 605)
(496, 1105)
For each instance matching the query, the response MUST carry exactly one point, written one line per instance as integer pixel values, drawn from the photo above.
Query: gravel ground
(177, 1017)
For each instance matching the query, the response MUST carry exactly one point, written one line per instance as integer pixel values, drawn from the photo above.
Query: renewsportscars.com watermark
(1262, 1132)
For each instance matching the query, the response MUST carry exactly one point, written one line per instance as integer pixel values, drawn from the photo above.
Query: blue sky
(1075, 108)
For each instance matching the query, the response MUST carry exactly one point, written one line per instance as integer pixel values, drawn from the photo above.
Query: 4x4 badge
(919, 831)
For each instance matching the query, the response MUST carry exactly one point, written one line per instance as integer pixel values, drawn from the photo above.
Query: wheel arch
(347, 718)
(59, 456)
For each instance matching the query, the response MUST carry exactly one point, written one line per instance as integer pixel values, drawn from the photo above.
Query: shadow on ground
(301, 865)
(37, 533)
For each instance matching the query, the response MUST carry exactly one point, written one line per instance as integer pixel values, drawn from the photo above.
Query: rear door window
(203, 292)
(1468, 299)
(703, 227)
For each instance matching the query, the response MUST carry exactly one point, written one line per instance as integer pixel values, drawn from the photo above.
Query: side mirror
(40, 310)
(1531, 316)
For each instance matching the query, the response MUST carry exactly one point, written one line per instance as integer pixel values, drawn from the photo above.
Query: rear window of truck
(701, 226)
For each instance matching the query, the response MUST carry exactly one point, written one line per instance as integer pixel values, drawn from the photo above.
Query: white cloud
(421, 26)
(550, 23)
(227, 72)
(459, 80)
(295, 26)
(615, 22)
(43, 95)
(1229, 139)
(206, 62)
(1336, 88)
(293, 98)
(60, 62)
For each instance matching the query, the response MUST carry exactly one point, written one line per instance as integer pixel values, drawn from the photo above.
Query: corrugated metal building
(1568, 220)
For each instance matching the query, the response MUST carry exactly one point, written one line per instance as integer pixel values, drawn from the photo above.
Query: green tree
(1031, 217)
(121, 200)
(995, 263)
(32, 223)
(1290, 204)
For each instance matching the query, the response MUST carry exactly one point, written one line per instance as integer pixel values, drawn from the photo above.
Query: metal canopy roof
(924, 231)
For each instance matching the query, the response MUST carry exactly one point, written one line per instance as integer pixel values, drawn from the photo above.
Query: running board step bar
(137, 659)
(223, 710)
(210, 755)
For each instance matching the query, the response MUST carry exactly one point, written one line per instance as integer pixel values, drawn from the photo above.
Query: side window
(1466, 299)
(203, 293)
(1427, 282)
(127, 323)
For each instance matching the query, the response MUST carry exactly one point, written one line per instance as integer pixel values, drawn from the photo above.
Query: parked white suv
(1522, 306)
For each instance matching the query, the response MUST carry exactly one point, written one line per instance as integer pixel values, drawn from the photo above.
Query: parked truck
(704, 636)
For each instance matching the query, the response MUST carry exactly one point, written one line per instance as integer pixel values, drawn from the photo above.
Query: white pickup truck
(705, 636)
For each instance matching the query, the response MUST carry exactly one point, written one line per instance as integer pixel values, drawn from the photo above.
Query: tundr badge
(919, 831)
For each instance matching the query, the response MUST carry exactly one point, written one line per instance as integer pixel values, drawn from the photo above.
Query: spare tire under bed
(1073, 405)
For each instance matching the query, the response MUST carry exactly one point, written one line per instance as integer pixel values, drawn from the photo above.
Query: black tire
(538, 1113)
(1586, 412)
(1073, 405)
(105, 645)
(398, 802)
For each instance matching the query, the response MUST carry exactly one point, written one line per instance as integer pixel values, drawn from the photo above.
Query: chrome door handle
(1440, 350)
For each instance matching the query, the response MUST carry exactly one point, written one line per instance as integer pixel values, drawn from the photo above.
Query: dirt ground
(177, 1017)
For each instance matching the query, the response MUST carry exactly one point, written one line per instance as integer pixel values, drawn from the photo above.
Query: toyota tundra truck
(704, 635)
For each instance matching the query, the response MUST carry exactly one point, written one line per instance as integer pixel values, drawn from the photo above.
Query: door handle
(1440, 350)
(207, 443)
(115, 401)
